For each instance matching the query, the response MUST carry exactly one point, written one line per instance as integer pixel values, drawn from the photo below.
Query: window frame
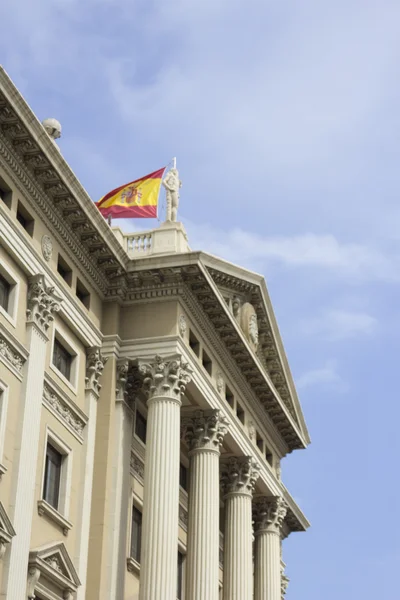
(64, 493)
(182, 550)
(12, 305)
(70, 347)
(135, 508)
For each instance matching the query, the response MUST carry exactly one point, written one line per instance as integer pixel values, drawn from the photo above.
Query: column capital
(204, 430)
(95, 362)
(284, 584)
(165, 377)
(269, 514)
(239, 475)
(42, 303)
(122, 368)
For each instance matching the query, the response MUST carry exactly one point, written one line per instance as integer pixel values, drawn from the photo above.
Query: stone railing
(169, 238)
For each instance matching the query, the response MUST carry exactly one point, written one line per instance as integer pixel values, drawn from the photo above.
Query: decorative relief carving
(239, 475)
(33, 578)
(269, 514)
(220, 382)
(205, 430)
(137, 466)
(165, 377)
(59, 405)
(95, 362)
(183, 516)
(284, 585)
(11, 355)
(122, 378)
(42, 302)
(252, 431)
(54, 563)
(182, 325)
(47, 247)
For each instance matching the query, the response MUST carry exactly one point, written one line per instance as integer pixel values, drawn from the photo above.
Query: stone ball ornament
(53, 128)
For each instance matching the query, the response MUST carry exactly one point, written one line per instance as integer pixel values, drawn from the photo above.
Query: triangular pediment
(246, 297)
(55, 563)
(6, 528)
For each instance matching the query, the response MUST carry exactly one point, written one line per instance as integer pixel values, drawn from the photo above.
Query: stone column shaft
(239, 477)
(165, 382)
(203, 433)
(42, 302)
(268, 517)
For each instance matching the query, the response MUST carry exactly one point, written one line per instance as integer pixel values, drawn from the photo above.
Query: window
(229, 396)
(259, 441)
(25, 219)
(64, 270)
(194, 343)
(5, 288)
(5, 193)
(82, 294)
(62, 359)
(240, 413)
(207, 364)
(269, 456)
(140, 426)
(136, 534)
(181, 560)
(52, 476)
(183, 477)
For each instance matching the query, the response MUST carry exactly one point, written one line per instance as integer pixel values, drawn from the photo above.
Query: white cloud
(336, 325)
(326, 376)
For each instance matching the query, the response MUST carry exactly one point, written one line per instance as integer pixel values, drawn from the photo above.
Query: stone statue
(172, 185)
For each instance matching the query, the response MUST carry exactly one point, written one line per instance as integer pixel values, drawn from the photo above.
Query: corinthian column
(269, 514)
(95, 362)
(203, 433)
(42, 303)
(238, 479)
(164, 382)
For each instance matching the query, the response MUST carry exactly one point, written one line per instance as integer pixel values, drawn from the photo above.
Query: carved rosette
(42, 303)
(166, 377)
(205, 430)
(284, 585)
(95, 362)
(269, 514)
(239, 475)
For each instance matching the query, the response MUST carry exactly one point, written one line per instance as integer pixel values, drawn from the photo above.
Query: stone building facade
(146, 402)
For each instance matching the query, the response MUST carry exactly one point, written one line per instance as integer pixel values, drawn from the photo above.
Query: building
(146, 402)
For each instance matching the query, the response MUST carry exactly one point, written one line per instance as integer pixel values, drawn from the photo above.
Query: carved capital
(269, 514)
(42, 303)
(205, 430)
(122, 379)
(33, 578)
(166, 377)
(95, 362)
(239, 475)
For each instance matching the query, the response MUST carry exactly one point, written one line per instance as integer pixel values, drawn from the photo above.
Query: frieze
(11, 355)
(71, 419)
(137, 467)
(183, 517)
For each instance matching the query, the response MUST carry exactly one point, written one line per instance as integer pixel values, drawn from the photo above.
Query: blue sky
(284, 118)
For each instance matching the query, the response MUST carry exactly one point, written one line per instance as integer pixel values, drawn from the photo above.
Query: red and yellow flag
(137, 199)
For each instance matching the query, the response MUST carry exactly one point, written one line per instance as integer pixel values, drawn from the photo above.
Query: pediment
(247, 300)
(54, 563)
(6, 529)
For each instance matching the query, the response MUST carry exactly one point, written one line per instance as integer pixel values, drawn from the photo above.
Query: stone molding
(137, 467)
(42, 303)
(95, 363)
(269, 514)
(205, 430)
(71, 416)
(53, 564)
(44, 508)
(12, 353)
(7, 531)
(165, 377)
(239, 475)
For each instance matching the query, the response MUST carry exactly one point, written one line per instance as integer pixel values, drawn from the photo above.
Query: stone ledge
(44, 508)
(132, 565)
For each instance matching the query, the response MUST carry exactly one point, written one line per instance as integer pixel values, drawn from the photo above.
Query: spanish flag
(137, 199)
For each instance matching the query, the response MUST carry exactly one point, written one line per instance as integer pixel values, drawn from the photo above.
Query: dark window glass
(183, 476)
(140, 426)
(82, 294)
(64, 270)
(180, 576)
(25, 219)
(136, 534)
(62, 359)
(4, 292)
(52, 474)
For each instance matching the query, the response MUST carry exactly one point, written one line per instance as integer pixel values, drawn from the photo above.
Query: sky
(284, 118)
